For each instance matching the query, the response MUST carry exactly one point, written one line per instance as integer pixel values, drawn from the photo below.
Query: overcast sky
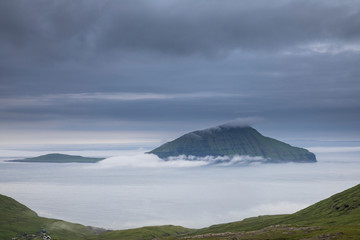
(146, 71)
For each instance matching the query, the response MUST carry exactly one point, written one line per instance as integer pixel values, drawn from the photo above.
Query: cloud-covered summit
(241, 122)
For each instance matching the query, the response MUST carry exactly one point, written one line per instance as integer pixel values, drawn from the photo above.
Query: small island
(59, 158)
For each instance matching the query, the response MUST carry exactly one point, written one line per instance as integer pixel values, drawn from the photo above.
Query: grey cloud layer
(62, 29)
(291, 63)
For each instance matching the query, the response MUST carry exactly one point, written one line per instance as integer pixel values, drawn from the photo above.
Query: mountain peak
(234, 125)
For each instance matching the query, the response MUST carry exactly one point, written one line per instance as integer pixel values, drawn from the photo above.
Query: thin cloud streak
(147, 96)
(51, 99)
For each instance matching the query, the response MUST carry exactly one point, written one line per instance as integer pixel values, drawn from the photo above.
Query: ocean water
(136, 189)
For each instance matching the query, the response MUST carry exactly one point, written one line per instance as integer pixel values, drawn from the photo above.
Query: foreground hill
(229, 141)
(59, 158)
(16, 220)
(337, 217)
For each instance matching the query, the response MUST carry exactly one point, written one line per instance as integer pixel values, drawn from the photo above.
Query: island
(228, 140)
(59, 158)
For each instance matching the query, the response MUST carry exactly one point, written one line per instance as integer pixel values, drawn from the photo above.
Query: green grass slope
(248, 224)
(59, 158)
(16, 219)
(144, 233)
(337, 217)
(231, 141)
(340, 209)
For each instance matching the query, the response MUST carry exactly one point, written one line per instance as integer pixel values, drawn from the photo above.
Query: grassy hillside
(231, 141)
(144, 233)
(337, 217)
(340, 209)
(16, 219)
(59, 158)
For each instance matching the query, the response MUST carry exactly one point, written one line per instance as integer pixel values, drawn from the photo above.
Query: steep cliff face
(230, 141)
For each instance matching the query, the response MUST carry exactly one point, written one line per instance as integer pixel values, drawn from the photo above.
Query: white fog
(135, 189)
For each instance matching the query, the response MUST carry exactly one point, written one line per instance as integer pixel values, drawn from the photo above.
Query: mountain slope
(59, 158)
(341, 210)
(230, 141)
(17, 219)
(337, 217)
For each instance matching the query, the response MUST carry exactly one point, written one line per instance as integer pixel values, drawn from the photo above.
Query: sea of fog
(135, 189)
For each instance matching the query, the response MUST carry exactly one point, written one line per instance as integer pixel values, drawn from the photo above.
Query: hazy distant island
(59, 158)
(229, 140)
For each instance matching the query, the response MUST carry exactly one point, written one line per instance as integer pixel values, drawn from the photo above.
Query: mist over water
(135, 189)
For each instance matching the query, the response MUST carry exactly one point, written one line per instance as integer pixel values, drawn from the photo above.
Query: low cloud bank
(220, 160)
(143, 160)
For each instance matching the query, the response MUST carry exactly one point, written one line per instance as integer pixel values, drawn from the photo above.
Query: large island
(227, 140)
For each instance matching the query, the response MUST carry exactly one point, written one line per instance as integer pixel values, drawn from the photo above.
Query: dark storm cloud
(208, 27)
(83, 29)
